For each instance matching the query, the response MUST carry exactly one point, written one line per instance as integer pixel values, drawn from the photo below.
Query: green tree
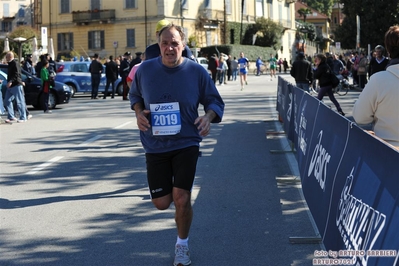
(268, 33)
(323, 6)
(25, 32)
(375, 19)
(304, 12)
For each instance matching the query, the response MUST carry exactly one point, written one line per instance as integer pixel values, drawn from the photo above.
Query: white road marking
(125, 124)
(44, 165)
(87, 142)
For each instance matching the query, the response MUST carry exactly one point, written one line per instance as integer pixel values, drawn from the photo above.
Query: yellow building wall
(148, 13)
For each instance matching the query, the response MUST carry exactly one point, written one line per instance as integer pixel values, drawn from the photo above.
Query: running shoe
(182, 257)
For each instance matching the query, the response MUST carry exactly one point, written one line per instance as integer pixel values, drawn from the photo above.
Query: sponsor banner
(350, 181)
(325, 149)
(364, 207)
(305, 118)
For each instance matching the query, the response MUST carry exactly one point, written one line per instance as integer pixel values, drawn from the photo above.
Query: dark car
(60, 94)
(77, 76)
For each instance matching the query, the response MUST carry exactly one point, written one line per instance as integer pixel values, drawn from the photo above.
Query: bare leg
(184, 211)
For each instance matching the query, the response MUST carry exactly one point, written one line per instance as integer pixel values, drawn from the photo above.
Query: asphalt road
(73, 188)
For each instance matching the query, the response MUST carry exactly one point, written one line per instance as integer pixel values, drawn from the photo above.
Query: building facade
(14, 13)
(110, 27)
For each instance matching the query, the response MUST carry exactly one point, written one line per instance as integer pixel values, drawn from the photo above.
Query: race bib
(165, 118)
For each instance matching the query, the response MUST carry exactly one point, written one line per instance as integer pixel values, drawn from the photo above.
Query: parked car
(60, 94)
(203, 62)
(77, 76)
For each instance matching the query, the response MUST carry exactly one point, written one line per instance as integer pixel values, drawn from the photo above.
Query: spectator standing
(135, 60)
(28, 65)
(213, 64)
(222, 70)
(243, 64)
(259, 64)
(172, 157)
(323, 73)
(229, 71)
(338, 66)
(378, 104)
(124, 70)
(130, 78)
(52, 68)
(14, 90)
(279, 63)
(379, 62)
(302, 72)
(111, 73)
(95, 69)
(285, 65)
(46, 85)
(234, 68)
(362, 70)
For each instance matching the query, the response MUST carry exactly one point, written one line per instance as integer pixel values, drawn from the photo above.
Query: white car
(203, 62)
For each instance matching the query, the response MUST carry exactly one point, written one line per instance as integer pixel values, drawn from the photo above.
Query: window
(130, 3)
(6, 26)
(184, 4)
(244, 7)
(65, 6)
(95, 4)
(259, 8)
(21, 12)
(6, 10)
(131, 37)
(207, 4)
(270, 8)
(65, 41)
(228, 6)
(96, 39)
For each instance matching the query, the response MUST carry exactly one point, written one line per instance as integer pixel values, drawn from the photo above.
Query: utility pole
(242, 14)
(224, 22)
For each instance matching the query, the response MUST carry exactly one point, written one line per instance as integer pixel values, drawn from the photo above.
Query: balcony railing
(93, 16)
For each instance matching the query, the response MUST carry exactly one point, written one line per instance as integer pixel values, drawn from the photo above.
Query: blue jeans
(234, 74)
(17, 93)
(221, 76)
(2, 110)
(303, 86)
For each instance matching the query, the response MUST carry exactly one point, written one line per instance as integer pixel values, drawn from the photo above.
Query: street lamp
(19, 41)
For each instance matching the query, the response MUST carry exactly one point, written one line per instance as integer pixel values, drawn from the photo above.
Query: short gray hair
(178, 28)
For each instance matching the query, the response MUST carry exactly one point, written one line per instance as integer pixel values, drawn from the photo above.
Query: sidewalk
(243, 213)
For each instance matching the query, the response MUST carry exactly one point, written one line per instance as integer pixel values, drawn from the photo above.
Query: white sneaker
(30, 116)
(182, 256)
(21, 121)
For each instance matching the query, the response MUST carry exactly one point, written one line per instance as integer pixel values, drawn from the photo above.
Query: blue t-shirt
(243, 64)
(188, 84)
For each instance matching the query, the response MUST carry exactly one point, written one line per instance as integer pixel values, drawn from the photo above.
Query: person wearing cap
(153, 50)
(135, 60)
(95, 68)
(166, 108)
(379, 62)
(111, 73)
(302, 72)
(28, 65)
(124, 70)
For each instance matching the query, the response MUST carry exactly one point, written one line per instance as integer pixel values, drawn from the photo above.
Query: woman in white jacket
(379, 101)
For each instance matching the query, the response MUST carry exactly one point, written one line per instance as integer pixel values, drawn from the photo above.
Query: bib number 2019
(165, 120)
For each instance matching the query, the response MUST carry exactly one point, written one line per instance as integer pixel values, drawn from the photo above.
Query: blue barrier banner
(350, 180)
(364, 206)
(285, 105)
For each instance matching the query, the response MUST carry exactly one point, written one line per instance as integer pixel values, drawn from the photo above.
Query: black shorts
(171, 169)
